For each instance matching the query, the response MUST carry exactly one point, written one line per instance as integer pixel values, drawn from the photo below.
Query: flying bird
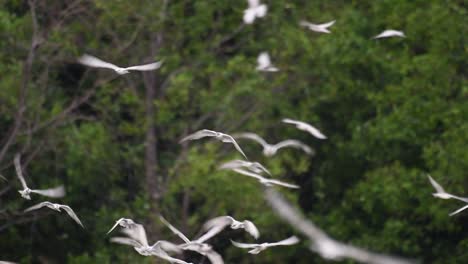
(216, 225)
(254, 10)
(199, 247)
(306, 127)
(123, 222)
(94, 62)
(390, 33)
(56, 207)
(442, 194)
(266, 182)
(322, 28)
(257, 248)
(270, 150)
(264, 63)
(251, 166)
(210, 133)
(56, 192)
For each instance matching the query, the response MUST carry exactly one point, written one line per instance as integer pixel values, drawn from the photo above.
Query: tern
(123, 222)
(264, 63)
(218, 135)
(56, 207)
(254, 10)
(257, 248)
(266, 182)
(442, 194)
(94, 62)
(251, 166)
(270, 150)
(56, 192)
(390, 33)
(200, 247)
(306, 127)
(322, 28)
(216, 225)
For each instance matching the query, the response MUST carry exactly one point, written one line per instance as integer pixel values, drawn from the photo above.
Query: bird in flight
(218, 135)
(56, 192)
(266, 182)
(306, 127)
(442, 194)
(217, 224)
(251, 166)
(257, 248)
(200, 247)
(123, 222)
(270, 150)
(322, 28)
(94, 62)
(264, 63)
(56, 207)
(254, 10)
(390, 33)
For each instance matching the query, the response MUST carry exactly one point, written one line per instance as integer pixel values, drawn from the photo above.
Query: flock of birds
(136, 234)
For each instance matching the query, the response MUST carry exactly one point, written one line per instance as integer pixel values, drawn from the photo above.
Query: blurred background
(394, 110)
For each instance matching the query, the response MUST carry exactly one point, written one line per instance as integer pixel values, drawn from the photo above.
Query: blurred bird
(6, 262)
(257, 248)
(216, 225)
(442, 194)
(322, 28)
(270, 150)
(123, 222)
(200, 247)
(94, 62)
(254, 10)
(266, 182)
(306, 127)
(56, 207)
(210, 133)
(264, 63)
(251, 166)
(390, 33)
(56, 192)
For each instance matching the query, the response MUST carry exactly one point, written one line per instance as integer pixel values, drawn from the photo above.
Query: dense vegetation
(394, 110)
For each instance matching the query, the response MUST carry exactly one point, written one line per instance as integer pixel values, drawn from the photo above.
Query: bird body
(95, 62)
(216, 225)
(390, 33)
(264, 63)
(56, 207)
(306, 127)
(255, 10)
(225, 138)
(257, 248)
(321, 28)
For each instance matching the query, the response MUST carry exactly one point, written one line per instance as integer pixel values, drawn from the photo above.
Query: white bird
(94, 62)
(306, 127)
(252, 166)
(57, 208)
(218, 135)
(216, 225)
(442, 194)
(322, 28)
(56, 192)
(123, 222)
(200, 247)
(257, 248)
(390, 33)
(254, 10)
(266, 182)
(270, 150)
(264, 63)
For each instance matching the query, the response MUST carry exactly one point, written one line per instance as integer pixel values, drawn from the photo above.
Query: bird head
(25, 193)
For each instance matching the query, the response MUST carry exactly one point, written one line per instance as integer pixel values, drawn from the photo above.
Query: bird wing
(305, 23)
(261, 167)
(288, 241)
(160, 253)
(295, 144)
(137, 233)
(199, 134)
(72, 214)
(175, 230)
(19, 172)
(250, 174)
(261, 10)
(230, 139)
(284, 184)
(233, 164)
(92, 61)
(37, 206)
(115, 225)
(145, 67)
(167, 246)
(253, 3)
(305, 126)
(249, 16)
(251, 229)
(263, 60)
(253, 137)
(459, 210)
(56, 192)
(436, 185)
(243, 245)
(214, 226)
(214, 257)
(126, 241)
(328, 24)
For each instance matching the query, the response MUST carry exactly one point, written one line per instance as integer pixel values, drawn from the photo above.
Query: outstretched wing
(436, 185)
(174, 230)
(284, 184)
(287, 242)
(329, 24)
(306, 127)
(251, 136)
(214, 226)
(126, 241)
(145, 67)
(243, 245)
(167, 246)
(230, 139)
(259, 166)
(92, 61)
(459, 210)
(72, 214)
(56, 192)
(295, 144)
(251, 229)
(138, 233)
(214, 257)
(233, 164)
(19, 172)
(199, 134)
(37, 206)
(248, 173)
